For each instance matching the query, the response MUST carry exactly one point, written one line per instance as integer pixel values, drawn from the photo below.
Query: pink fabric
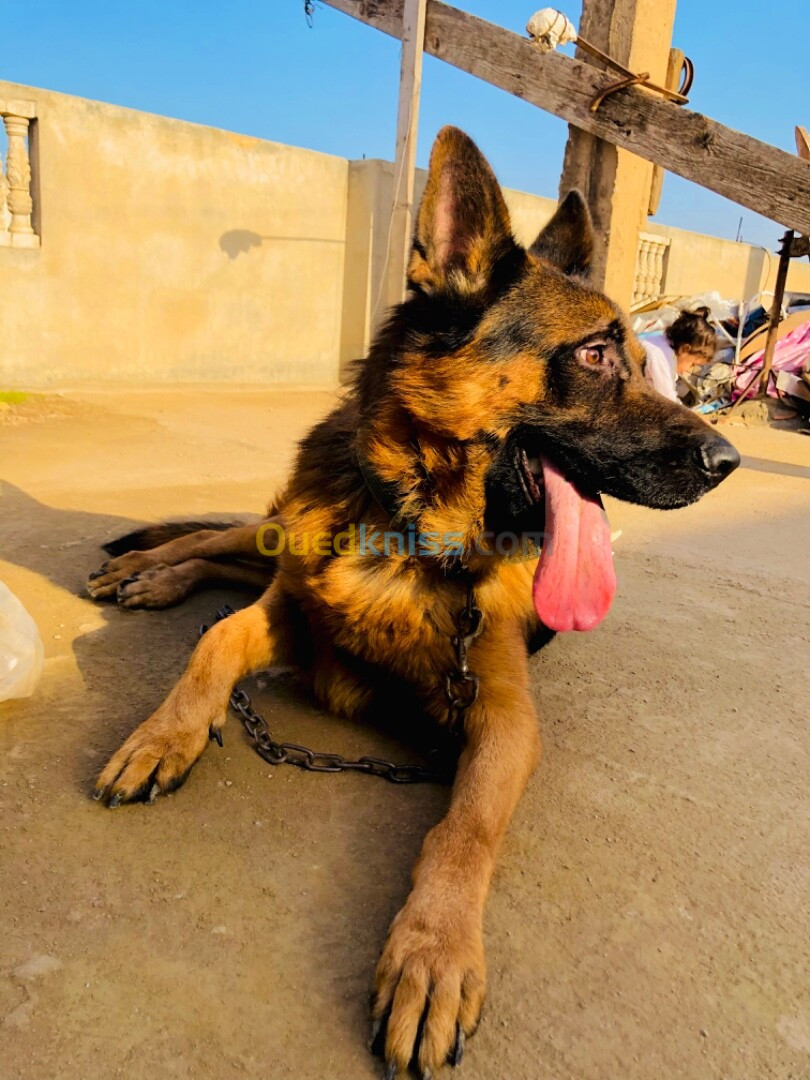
(791, 354)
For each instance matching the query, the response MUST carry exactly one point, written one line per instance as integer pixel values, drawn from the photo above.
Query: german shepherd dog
(501, 398)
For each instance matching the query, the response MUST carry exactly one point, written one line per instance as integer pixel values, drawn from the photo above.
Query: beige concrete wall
(698, 263)
(172, 251)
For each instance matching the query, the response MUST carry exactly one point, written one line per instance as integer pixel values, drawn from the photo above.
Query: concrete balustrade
(650, 267)
(16, 202)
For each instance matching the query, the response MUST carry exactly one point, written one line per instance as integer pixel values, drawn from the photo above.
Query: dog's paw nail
(215, 735)
(97, 795)
(154, 791)
(391, 1071)
(114, 801)
(127, 581)
(95, 574)
(457, 1053)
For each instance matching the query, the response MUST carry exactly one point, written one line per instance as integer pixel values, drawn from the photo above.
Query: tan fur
(429, 428)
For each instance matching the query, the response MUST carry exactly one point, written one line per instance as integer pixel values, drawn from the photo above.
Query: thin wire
(768, 265)
(309, 14)
(397, 181)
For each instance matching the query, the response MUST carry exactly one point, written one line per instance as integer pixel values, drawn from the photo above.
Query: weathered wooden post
(410, 84)
(617, 184)
(737, 166)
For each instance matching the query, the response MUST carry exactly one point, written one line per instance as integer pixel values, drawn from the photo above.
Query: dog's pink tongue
(574, 582)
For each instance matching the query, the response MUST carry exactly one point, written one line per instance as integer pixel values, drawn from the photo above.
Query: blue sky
(255, 67)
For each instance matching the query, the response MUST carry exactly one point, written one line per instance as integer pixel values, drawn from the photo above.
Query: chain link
(287, 753)
(461, 690)
(461, 686)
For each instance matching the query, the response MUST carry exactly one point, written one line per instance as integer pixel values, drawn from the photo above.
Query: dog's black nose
(718, 458)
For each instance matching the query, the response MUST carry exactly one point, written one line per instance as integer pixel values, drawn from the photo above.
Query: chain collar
(461, 691)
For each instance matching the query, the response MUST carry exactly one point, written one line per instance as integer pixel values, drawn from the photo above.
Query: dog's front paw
(429, 988)
(103, 583)
(160, 586)
(156, 758)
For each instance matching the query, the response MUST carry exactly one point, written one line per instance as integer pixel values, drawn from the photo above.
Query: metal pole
(776, 311)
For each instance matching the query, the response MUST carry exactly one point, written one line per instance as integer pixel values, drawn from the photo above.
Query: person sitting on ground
(689, 342)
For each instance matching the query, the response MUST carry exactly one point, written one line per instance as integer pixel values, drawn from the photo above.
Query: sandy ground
(649, 914)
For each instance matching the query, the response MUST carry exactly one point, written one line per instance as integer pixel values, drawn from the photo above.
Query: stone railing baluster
(16, 203)
(649, 278)
(18, 172)
(641, 269)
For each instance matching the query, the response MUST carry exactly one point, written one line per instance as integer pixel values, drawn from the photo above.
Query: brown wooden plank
(410, 84)
(749, 172)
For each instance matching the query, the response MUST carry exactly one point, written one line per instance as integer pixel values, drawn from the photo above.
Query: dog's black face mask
(608, 433)
(597, 428)
(596, 419)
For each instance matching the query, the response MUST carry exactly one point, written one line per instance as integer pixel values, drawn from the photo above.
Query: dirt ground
(649, 915)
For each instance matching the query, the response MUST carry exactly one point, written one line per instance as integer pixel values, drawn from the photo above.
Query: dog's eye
(593, 355)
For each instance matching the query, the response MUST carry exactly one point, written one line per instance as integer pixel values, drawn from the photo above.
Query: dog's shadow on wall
(236, 242)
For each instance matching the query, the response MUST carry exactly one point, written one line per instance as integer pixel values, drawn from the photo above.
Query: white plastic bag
(21, 652)
(550, 28)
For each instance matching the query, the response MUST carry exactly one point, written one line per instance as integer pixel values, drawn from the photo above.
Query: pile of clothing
(740, 331)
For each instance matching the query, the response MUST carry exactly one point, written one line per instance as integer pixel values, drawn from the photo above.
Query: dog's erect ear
(463, 229)
(567, 240)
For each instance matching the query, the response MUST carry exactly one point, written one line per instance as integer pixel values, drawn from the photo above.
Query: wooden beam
(410, 85)
(616, 184)
(671, 82)
(763, 178)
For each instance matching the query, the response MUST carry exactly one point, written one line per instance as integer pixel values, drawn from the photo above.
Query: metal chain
(461, 686)
(461, 690)
(309, 13)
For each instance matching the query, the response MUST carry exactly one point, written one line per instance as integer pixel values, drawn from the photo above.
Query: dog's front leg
(430, 979)
(158, 755)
